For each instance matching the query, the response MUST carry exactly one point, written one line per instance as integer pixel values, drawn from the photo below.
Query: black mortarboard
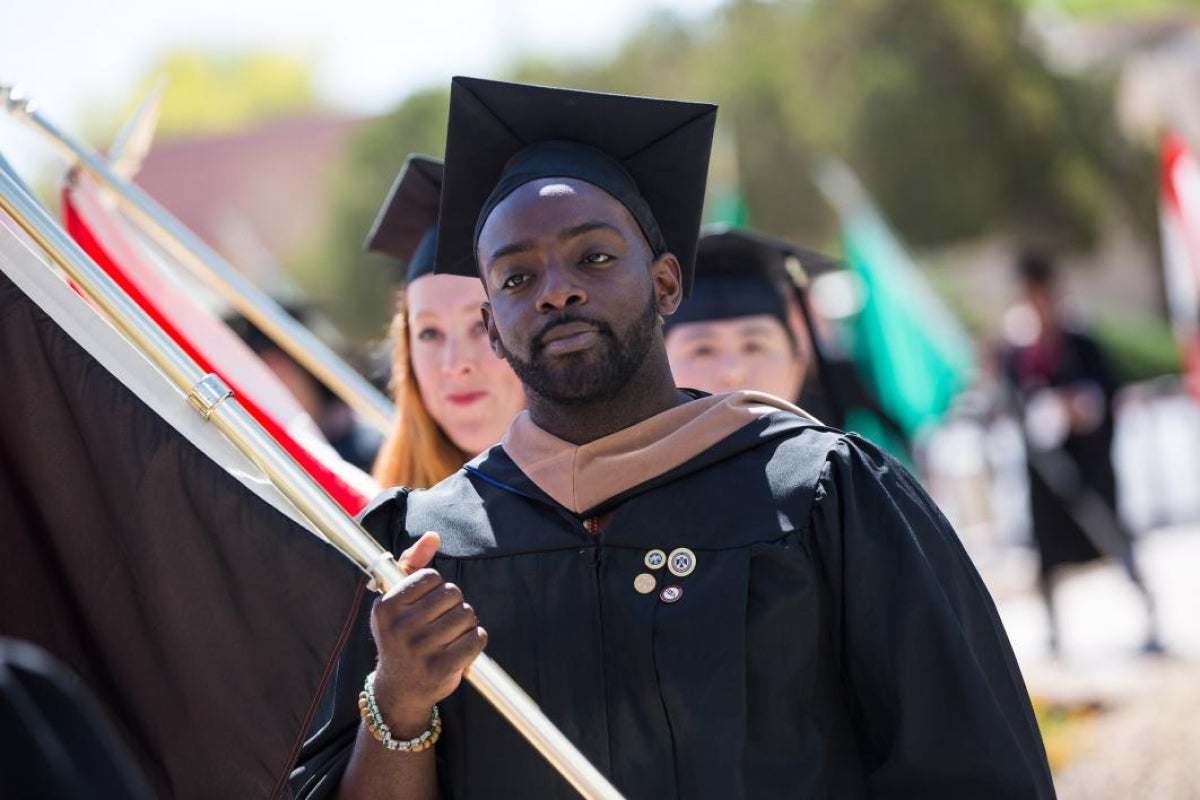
(406, 227)
(651, 155)
(741, 273)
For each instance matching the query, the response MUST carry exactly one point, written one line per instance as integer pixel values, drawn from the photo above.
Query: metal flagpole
(204, 262)
(214, 401)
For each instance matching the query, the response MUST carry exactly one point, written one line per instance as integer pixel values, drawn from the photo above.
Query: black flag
(149, 556)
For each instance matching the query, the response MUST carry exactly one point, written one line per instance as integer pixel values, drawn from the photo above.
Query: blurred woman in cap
(454, 397)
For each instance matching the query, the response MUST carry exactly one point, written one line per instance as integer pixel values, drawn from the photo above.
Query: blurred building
(260, 196)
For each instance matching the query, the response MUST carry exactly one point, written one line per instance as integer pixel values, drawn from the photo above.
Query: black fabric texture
(833, 641)
(202, 620)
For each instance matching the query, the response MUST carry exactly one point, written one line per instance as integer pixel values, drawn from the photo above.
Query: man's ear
(667, 274)
(489, 322)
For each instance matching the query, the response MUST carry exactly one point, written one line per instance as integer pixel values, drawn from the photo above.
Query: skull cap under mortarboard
(406, 227)
(651, 155)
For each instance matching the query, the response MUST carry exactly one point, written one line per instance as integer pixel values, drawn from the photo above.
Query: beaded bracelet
(369, 710)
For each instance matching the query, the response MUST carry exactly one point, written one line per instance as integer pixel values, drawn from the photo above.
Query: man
(711, 595)
(1061, 386)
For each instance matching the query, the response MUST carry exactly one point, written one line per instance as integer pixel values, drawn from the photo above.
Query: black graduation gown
(1085, 458)
(833, 641)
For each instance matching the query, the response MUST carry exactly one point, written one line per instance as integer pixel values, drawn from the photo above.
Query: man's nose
(559, 290)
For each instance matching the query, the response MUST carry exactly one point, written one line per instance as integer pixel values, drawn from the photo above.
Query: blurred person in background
(738, 329)
(355, 442)
(749, 325)
(454, 397)
(1062, 391)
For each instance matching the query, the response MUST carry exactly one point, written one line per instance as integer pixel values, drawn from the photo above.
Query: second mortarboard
(651, 155)
(406, 226)
(741, 273)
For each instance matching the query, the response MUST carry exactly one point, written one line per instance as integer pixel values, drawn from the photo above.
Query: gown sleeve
(933, 690)
(326, 751)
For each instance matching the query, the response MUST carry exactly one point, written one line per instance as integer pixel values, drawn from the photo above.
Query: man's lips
(568, 337)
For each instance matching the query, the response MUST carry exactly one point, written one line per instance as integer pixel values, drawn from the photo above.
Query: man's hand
(426, 635)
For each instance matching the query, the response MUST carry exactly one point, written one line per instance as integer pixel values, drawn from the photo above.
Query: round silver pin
(644, 583)
(655, 559)
(671, 594)
(681, 562)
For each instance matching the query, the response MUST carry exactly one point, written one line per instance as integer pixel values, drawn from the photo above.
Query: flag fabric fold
(164, 293)
(914, 351)
(147, 554)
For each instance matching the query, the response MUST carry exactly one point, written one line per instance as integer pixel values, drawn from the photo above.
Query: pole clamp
(206, 395)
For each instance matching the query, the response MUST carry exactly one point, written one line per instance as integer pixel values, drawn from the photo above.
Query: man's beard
(587, 376)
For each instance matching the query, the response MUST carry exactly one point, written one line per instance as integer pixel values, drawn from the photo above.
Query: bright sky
(70, 54)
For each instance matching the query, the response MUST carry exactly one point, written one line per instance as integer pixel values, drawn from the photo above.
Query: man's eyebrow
(585, 227)
(564, 235)
(511, 249)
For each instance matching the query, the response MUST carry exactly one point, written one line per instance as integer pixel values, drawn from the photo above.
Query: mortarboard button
(644, 583)
(671, 594)
(681, 562)
(655, 559)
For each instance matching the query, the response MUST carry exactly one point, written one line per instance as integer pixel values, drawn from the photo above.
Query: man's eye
(512, 281)
(597, 258)
(703, 351)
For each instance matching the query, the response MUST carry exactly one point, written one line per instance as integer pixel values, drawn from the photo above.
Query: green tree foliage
(217, 92)
(949, 118)
(356, 284)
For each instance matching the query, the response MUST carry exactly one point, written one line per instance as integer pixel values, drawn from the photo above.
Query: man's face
(574, 290)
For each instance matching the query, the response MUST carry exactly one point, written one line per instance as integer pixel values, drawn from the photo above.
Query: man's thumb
(421, 554)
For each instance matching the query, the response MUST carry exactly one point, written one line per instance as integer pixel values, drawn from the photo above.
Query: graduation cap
(651, 155)
(406, 227)
(741, 273)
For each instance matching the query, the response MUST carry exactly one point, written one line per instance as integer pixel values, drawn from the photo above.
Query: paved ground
(1143, 739)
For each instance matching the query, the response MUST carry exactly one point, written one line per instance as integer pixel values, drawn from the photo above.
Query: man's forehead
(546, 207)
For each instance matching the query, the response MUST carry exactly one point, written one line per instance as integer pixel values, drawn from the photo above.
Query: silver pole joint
(206, 395)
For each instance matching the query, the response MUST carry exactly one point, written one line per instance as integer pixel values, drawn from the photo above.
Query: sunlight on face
(719, 356)
(471, 393)
(555, 190)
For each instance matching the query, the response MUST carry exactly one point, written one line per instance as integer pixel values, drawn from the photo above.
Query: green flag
(916, 355)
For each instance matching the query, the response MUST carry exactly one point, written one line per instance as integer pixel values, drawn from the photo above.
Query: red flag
(1179, 215)
(114, 245)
